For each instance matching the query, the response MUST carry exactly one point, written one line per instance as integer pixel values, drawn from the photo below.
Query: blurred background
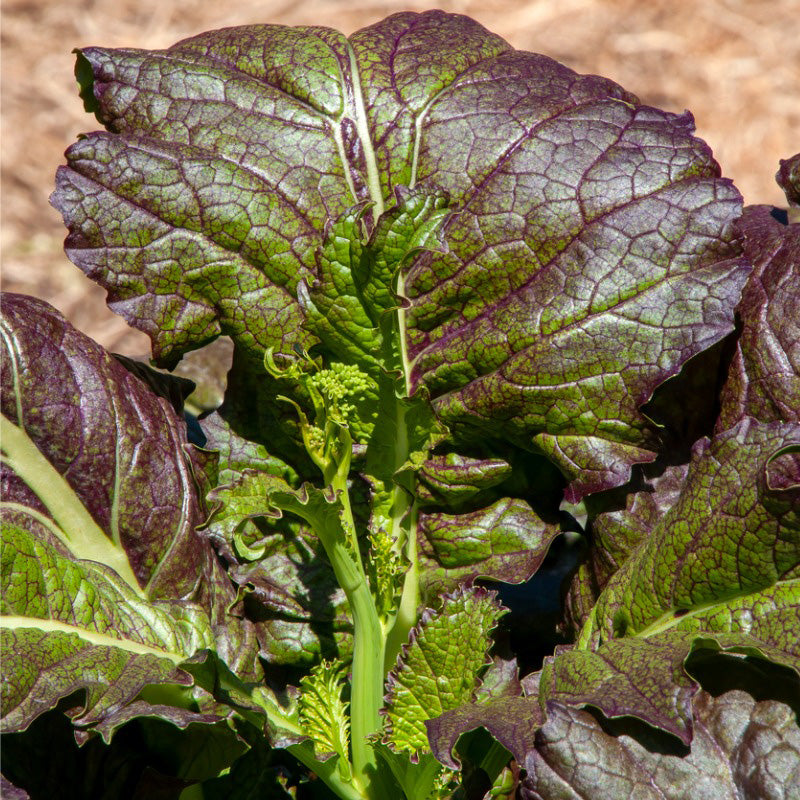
(735, 64)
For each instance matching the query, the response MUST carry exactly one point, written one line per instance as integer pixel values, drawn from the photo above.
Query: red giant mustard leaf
(689, 565)
(106, 585)
(589, 256)
(764, 378)
(731, 536)
(743, 748)
(464, 285)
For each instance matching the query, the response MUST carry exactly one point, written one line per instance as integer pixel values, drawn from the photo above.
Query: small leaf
(287, 585)
(413, 224)
(788, 178)
(512, 721)
(452, 478)
(507, 542)
(332, 304)
(236, 503)
(439, 668)
(324, 715)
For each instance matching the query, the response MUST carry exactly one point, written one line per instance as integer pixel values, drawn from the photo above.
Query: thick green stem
(406, 617)
(366, 696)
(404, 520)
(304, 753)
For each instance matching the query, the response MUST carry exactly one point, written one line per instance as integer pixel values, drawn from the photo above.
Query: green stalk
(404, 510)
(76, 526)
(366, 697)
(326, 770)
(406, 617)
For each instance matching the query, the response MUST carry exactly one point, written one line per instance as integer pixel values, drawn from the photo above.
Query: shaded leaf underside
(764, 377)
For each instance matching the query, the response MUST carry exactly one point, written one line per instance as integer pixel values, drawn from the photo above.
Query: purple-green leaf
(513, 721)
(287, 587)
(452, 478)
(101, 496)
(764, 378)
(728, 536)
(716, 566)
(618, 522)
(742, 748)
(626, 677)
(69, 625)
(121, 448)
(506, 541)
(602, 225)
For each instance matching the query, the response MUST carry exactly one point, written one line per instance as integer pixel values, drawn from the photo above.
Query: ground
(735, 64)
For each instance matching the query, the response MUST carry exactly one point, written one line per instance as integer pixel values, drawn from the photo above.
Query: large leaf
(762, 382)
(619, 521)
(602, 224)
(732, 533)
(121, 448)
(106, 584)
(70, 625)
(743, 748)
(712, 566)
(715, 568)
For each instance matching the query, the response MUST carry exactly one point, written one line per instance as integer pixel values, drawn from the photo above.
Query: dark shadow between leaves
(46, 761)
(719, 672)
(652, 739)
(532, 626)
(701, 379)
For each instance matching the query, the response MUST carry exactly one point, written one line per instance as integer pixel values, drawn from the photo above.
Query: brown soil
(734, 63)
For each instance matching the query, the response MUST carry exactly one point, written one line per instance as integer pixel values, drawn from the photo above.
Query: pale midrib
(360, 120)
(91, 637)
(117, 481)
(337, 138)
(81, 534)
(668, 619)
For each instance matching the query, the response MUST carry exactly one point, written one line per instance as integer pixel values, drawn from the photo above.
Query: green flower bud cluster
(338, 385)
